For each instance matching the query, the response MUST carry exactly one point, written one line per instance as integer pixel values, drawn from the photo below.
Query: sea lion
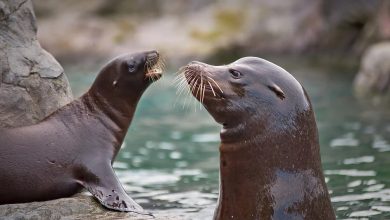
(74, 147)
(270, 165)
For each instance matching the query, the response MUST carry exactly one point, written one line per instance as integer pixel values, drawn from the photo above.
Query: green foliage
(126, 28)
(227, 21)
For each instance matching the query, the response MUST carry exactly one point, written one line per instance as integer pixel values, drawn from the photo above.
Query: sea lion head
(269, 137)
(250, 92)
(129, 74)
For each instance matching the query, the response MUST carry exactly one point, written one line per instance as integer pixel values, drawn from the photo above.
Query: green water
(169, 161)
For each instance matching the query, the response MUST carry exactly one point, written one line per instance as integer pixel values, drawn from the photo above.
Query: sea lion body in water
(270, 165)
(75, 146)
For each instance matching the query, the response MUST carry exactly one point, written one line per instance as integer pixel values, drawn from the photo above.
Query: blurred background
(169, 162)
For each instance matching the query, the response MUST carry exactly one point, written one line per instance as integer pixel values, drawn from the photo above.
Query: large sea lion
(75, 147)
(270, 165)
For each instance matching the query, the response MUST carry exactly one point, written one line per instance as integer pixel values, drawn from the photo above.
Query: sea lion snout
(154, 65)
(152, 55)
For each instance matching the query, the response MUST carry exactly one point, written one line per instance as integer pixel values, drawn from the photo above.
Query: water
(169, 161)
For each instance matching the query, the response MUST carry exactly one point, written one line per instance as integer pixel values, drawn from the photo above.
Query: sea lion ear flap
(277, 90)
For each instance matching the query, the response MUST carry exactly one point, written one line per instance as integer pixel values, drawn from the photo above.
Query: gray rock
(372, 83)
(32, 82)
(78, 207)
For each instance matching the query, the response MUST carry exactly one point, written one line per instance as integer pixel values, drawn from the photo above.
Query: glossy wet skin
(133, 74)
(74, 147)
(270, 162)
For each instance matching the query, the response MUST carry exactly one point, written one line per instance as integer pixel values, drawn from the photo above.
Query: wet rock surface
(32, 82)
(77, 207)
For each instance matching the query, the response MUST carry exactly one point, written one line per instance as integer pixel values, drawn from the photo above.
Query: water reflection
(169, 161)
(347, 140)
(358, 160)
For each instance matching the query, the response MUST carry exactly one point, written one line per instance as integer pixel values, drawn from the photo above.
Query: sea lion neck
(120, 112)
(243, 131)
(241, 183)
(255, 171)
(107, 117)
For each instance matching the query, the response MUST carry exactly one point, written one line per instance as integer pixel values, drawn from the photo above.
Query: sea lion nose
(152, 55)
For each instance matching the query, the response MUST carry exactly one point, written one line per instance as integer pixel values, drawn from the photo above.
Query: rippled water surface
(169, 161)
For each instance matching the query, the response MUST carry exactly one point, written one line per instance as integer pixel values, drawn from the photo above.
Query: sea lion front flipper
(106, 188)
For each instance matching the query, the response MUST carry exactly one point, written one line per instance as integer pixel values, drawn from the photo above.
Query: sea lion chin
(270, 165)
(74, 147)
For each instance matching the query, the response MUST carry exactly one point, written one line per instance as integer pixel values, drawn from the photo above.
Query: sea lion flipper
(110, 193)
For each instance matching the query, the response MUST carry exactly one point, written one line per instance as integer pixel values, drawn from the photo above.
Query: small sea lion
(74, 147)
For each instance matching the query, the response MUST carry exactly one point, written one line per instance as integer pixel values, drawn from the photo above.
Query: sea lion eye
(131, 67)
(235, 73)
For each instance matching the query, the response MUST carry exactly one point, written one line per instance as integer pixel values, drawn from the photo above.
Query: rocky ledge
(77, 207)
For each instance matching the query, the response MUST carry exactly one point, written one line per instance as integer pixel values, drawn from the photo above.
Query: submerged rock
(372, 83)
(32, 82)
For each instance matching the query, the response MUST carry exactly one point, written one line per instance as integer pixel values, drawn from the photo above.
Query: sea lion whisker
(178, 78)
(153, 68)
(181, 84)
(148, 70)
(194, 85)
(181, 70)
(200, 92)
(204, 89)
(159, 65)
(211, 87)
(189, 78)
(147, 65)
(162, 63)
(180, 81)
(192, 88)
(197, 92)
(187, 94)
(154, 77)
(190, 81)
(215, 83)
(180, 89)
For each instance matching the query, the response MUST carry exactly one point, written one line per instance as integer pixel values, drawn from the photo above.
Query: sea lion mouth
(154, 66)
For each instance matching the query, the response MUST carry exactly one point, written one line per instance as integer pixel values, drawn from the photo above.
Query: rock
(372, 83)
(78, 207)
(194, 29)
(32, 82)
